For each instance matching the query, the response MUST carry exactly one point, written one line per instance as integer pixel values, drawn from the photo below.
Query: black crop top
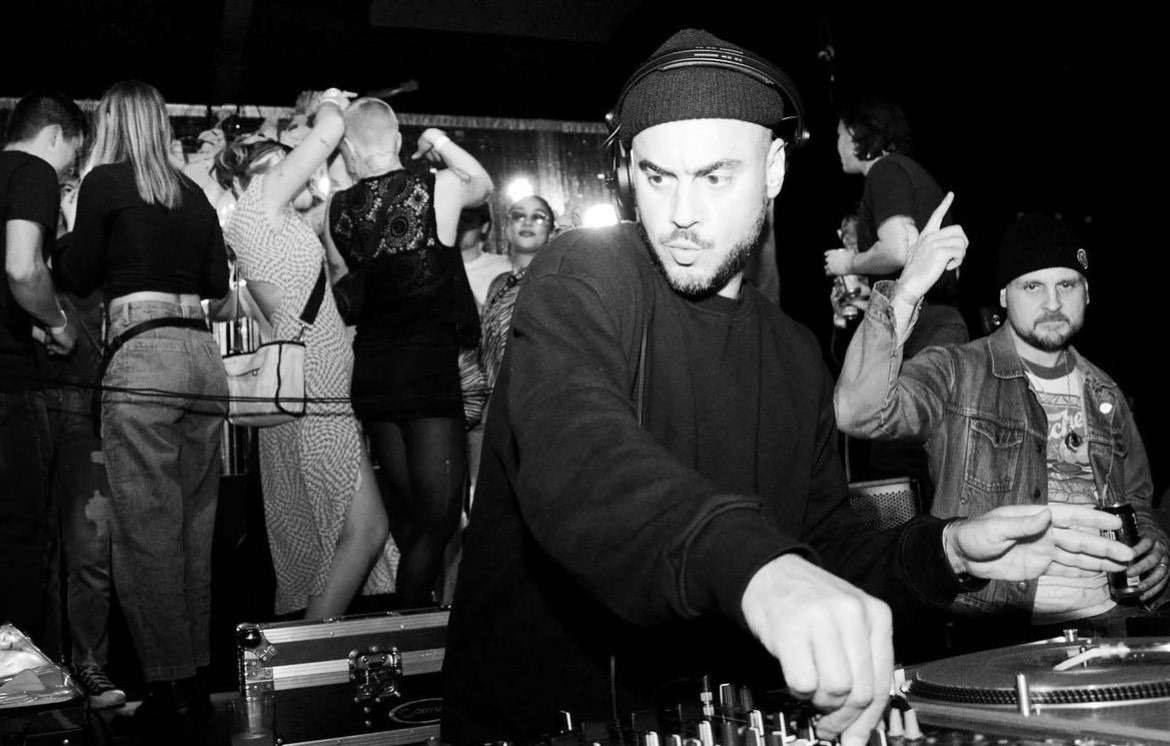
(123, 245)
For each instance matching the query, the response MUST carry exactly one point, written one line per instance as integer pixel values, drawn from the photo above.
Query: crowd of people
(657, 469)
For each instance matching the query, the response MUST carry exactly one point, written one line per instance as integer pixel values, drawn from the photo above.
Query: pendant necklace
(1073, 440)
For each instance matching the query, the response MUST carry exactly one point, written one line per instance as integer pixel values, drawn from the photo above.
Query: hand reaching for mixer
(834, 642)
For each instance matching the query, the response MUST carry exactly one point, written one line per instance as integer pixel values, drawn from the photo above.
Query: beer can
(1122, 586)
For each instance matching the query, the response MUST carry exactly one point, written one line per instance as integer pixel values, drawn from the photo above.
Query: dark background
(1013, 108)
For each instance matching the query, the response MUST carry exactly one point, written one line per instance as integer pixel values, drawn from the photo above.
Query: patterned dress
(308, 467)
(497, 322)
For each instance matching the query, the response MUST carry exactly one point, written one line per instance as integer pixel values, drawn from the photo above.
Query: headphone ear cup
(620, 179)
(625, 180)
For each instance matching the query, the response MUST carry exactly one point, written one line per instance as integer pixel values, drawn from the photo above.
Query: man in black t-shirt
(44, 135)
(873, 140)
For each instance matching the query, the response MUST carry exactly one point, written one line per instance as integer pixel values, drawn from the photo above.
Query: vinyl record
(1105, 671)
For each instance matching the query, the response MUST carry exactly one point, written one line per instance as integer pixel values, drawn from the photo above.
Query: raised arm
(875, 396)
(463, 183)
(292, 174)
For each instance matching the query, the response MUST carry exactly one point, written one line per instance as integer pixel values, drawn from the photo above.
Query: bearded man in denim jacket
(1018, 417)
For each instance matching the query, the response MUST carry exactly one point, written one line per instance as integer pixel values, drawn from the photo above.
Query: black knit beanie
(1038, 242)
(697, 92)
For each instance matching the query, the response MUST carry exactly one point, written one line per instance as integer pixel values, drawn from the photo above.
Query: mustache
(687, 235)
(1055, 316)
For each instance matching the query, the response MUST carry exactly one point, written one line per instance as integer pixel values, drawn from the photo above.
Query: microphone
(406, 87)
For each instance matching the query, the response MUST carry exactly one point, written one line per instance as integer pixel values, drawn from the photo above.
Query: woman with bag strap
(147, 236)
(327, 529)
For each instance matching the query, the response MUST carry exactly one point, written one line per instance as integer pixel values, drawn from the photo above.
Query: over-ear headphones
(620, 176)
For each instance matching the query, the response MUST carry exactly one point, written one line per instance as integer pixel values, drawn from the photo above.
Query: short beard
(733, 263)
(1052, 342)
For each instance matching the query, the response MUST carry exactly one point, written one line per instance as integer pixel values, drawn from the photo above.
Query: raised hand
(429, 143)
(834, 642)
(339, 98)
(932, 251)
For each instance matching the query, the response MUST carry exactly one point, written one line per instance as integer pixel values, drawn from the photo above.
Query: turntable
(1083, 691)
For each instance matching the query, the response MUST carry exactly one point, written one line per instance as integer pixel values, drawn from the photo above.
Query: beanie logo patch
(1083, 258)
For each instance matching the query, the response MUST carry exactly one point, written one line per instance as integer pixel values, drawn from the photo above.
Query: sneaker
(96, 685)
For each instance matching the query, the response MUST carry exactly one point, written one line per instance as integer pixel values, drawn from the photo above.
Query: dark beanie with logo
(1039, 242)
(697, 92)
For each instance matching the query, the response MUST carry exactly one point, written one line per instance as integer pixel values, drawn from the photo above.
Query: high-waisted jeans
(163, 408)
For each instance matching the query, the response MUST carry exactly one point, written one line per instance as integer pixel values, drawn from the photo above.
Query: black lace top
(403, 278)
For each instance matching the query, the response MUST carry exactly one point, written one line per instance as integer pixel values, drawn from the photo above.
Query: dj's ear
(776, 165)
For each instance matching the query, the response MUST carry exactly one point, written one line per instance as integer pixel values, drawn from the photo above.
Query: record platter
(1084, 691)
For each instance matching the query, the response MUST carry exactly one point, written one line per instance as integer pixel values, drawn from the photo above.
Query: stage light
(519, 189)
(598, 216)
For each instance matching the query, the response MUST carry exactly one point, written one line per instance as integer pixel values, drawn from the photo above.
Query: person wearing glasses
(530, 225)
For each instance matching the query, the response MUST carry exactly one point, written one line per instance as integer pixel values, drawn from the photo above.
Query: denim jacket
(984, 429)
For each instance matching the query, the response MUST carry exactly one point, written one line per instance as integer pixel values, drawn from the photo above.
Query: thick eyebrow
(645, 165)
(729, 163)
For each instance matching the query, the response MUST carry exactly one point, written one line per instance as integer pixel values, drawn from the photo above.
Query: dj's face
(704, 188)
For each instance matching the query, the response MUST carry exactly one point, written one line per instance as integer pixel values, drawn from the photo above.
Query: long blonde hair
(132, 125)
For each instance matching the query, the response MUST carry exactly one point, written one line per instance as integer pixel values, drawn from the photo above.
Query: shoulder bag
(266, 386)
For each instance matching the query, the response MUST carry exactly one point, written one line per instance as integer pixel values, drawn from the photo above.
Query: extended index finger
(939, 213)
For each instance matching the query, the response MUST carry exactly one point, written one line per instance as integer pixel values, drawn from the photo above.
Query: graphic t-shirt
(1070, 480)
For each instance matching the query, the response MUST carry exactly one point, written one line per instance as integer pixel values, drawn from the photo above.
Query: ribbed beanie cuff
(697, 92)
(1038, 242)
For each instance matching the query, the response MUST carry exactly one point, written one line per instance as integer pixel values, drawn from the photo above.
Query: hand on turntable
(1021, 542)
(834, 643)
(1151, 566)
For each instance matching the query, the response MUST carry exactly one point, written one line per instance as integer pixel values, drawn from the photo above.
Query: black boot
(173, 712)
(195, 697)
(161, 703)
(183, 699)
